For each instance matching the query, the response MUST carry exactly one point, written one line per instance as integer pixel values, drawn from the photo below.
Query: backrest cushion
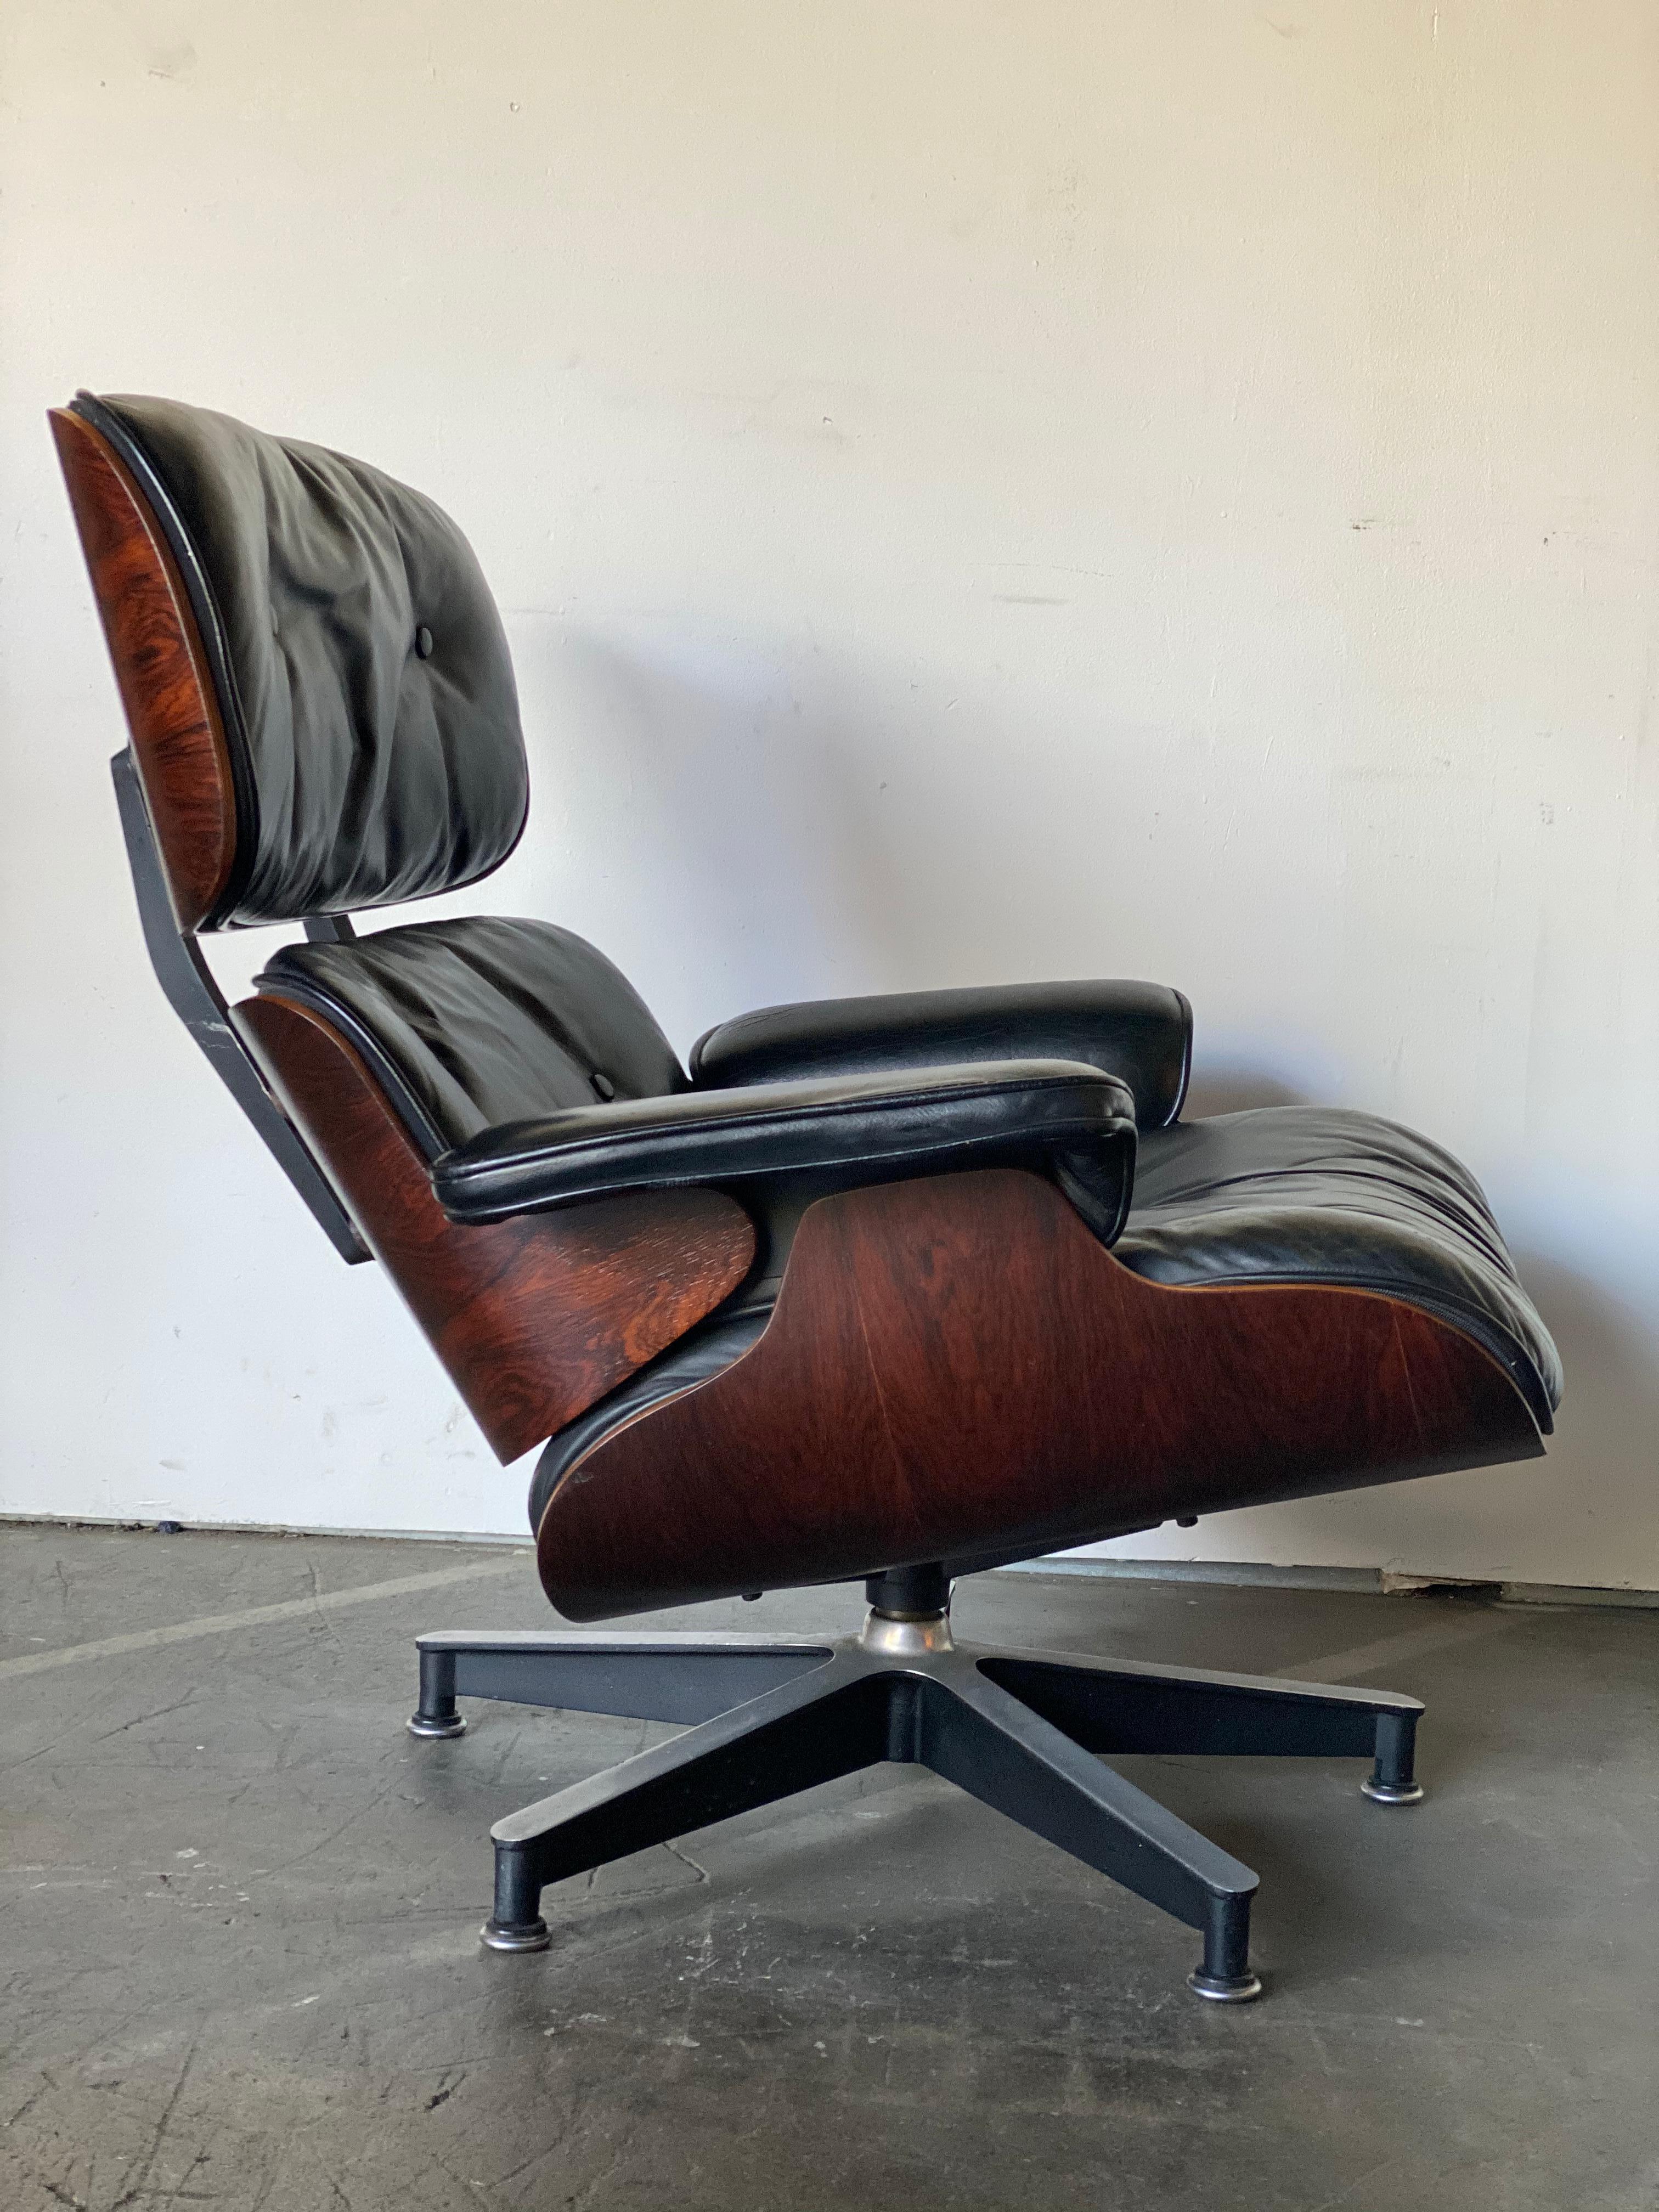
(480, 1020)
(363, 675)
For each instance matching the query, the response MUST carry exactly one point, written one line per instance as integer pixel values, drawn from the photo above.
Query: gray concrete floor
(241, 1910)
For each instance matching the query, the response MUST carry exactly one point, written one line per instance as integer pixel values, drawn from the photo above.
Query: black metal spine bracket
(192, 992)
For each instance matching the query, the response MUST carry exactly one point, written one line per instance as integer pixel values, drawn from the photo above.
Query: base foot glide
(430, 1728)
(1392, 1793)
(516, 1936)
(1224, 1988)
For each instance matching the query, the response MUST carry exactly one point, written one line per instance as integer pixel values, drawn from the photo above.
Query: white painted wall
(979, 491)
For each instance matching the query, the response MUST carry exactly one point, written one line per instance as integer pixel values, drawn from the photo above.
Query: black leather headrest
(364, 678)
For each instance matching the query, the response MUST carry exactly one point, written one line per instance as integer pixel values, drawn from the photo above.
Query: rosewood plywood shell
(957, 1370)
(178, 738)
(534, 1318)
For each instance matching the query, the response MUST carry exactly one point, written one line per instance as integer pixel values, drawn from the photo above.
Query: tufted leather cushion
(364, 678)
(479, 1021)
(1321, 1194)
(1142, 1033)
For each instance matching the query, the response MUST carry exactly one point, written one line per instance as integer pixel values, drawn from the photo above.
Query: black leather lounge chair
(890, 1288)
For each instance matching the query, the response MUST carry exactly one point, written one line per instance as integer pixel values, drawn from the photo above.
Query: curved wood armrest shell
(533, 1318)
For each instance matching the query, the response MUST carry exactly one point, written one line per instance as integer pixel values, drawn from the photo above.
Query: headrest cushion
(366, 686)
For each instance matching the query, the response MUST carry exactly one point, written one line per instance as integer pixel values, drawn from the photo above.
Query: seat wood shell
(957, 1369)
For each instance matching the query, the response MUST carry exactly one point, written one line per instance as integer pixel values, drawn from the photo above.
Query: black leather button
(603, 1087)
(423, 642)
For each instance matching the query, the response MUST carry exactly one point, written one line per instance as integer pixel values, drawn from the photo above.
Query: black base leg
(1393, 1780)
(435, 1716)
(813, 1730)
(1001, 1751)
(515, 1922)
(1226, 1976)
(642, 1678)
(1115, 1706)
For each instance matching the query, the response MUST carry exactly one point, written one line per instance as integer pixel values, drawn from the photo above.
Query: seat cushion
(1320, 1194)
(480, 1020)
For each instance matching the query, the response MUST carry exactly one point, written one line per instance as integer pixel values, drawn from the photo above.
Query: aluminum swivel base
(764, 1717)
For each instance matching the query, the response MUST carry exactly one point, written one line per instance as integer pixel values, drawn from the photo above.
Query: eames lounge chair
(885, 1289)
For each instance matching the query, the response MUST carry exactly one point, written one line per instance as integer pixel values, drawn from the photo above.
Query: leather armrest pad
(919, 1120)
(1142, 1033)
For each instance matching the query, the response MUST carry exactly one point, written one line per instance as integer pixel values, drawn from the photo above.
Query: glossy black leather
(1142, 1033)
(366, 773)
(482, 1021)
(1321, 1194)
(922, 1120)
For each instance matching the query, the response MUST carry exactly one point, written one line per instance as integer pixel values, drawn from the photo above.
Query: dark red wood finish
(956, 1369)
(536, 1317)
(178, 738)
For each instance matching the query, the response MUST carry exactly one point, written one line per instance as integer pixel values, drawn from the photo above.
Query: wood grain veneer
(161, 668)
(957, 1370)
(536, 1317)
